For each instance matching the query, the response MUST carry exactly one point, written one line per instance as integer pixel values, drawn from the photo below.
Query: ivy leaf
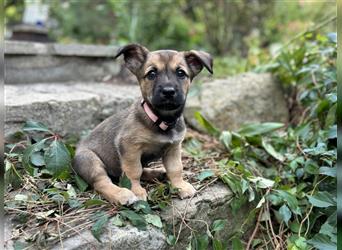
(154, 220)
(218, 225)
(270, 149)
(259, 128)
(200, 242)
(97, 228)
(291, 201)
(226, 139)
(322, 199)
(332, 132)
(206, 124)
(57, 158)
(125, 182)
(136, 219)
(94, 202)
(285, 214)
(322, 242)
(37, 159)
(236, 244)
(142, 206)
(117, 221)
(328, 171)
(36, 126)
(205, 174)
(81, 184)
(261, 182)
(30, 150)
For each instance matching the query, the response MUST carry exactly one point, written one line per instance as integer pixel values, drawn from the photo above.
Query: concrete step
(66, 108)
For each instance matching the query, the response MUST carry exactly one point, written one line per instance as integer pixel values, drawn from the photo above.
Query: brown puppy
(151, 129)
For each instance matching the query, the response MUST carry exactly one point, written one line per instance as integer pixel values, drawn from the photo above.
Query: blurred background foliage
(241, 33)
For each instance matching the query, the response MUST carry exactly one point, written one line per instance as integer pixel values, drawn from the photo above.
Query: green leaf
(26, 160)
(291, 201)
(171, 240)
(332, 132)
(37, 159)
(285, 214)
(217, 244)
(259, 128)
(218, 225)
(205, 174)
(57, 158)
(36, 126)
(269, 149)
(74, 203)
(200, 242)
(21, 197)
(322, 199)
(329, 171)
(226, 139)
(142, 206)
(154, 220)
(94, 202)
(117, 221)
(237, 244)
(206, 124)
(98, 227)
(125, 182)
(261, 182)
(322, 242)
(136, 219)
(81, 184)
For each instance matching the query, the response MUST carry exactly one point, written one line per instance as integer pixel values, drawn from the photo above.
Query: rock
(212, 203)
(117, 238)
(231, 102)
(66, 108)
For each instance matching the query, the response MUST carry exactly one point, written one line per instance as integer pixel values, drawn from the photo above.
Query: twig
(59, 235)
(255, 229)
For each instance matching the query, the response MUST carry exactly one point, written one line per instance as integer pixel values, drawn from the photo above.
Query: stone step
(210, 204)
(66, 108)
(31, 62)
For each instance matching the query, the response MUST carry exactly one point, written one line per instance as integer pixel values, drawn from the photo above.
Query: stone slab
(67, 108)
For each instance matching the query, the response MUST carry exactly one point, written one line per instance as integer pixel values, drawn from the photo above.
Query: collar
(157, 121)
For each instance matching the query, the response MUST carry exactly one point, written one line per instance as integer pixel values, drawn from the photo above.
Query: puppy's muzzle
(168, 92)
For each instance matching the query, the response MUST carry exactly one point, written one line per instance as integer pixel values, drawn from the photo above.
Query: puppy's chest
(156, 148)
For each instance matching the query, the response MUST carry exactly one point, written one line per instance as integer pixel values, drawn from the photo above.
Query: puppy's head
(165, 75)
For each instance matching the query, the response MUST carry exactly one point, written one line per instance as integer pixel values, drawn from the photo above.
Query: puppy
(152, 128)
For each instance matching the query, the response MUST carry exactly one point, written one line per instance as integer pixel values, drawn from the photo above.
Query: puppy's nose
(168, 92)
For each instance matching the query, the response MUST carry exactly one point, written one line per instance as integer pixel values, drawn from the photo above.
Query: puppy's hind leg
(90, 167)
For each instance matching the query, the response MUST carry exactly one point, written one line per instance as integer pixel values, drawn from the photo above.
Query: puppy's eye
(151, 75)
(180, 73)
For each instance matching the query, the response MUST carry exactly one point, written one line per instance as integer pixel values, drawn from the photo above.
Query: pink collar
(153, 117)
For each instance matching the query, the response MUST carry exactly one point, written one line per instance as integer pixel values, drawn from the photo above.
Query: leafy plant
(290, 172)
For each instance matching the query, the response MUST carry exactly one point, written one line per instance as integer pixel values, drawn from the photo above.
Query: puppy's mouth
(168, 106)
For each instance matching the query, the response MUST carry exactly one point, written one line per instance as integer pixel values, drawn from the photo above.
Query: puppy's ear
(134, 55)
(197, 59)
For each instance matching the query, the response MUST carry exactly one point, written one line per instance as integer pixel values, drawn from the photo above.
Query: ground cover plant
(287, 171)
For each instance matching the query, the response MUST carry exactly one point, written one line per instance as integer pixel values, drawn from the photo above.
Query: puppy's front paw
(186, 190)
(125, 197)
(140, 192)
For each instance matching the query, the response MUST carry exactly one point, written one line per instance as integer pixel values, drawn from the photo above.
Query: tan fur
(126, 142)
